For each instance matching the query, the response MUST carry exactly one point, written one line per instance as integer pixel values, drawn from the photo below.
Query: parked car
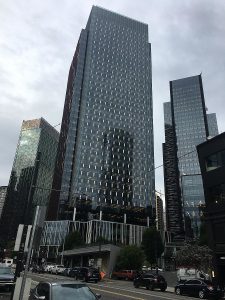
(151, 282)
(48, 268)
(124, 274)
(57, 269)
(37, 269)
(88, 274)
(74, 271)
(6, 278)
(8, 262)
(66, 290)
(66, 271)
(200, 288)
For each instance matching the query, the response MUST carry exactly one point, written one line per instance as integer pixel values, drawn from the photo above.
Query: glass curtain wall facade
(212, 125)
(174, 212)
(106, 153)
(33, 165)
(190, 127)
(3, 190)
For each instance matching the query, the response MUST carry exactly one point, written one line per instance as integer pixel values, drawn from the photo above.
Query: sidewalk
(170, 289)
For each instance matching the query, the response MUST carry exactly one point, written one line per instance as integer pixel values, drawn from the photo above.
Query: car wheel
(201, 294)
(136, 285)
(163, 289)
(178, 291)
(96, 281)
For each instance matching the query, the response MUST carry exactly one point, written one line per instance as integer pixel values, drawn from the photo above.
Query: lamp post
(29, 254)
(30, 247)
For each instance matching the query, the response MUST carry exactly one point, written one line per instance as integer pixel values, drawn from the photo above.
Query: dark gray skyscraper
(105, 152)
(3, 190)
(33, 164)
(186, 126)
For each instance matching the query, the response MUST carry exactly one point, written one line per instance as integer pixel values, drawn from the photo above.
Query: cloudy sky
(38, 39)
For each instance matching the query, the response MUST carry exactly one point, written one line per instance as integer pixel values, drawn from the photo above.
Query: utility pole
(29, 253)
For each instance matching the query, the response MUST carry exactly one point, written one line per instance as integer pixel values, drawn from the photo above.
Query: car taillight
(210, 287)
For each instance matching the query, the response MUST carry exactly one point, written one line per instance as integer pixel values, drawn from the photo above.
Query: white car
(48, 268)
(57, 269)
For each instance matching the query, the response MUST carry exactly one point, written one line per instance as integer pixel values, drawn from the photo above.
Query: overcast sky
(38, 40)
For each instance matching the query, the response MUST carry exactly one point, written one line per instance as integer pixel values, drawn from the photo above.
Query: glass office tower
(33, 165)
(190, 126)
(105, 153)
(3, 190)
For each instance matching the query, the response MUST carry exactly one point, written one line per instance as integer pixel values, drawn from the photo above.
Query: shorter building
(102, 240)
(3, 191)
(212, 162)
(102, 256)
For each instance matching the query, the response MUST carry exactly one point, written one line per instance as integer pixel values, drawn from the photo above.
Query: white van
(184, 274)
(8, 262)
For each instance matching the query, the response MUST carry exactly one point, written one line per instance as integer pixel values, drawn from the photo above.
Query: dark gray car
(6, 278)
(63, 290)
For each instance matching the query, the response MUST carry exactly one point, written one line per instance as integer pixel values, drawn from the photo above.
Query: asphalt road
(114, 289)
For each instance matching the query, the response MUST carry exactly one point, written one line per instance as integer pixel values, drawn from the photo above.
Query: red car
(124, 274)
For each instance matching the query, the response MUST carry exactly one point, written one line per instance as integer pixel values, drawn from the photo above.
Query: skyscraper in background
(105, 153)
(3, 190)
(159, 212)
(186, 126)
(33, 165)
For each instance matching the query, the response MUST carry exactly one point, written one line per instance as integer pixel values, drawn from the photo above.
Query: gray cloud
(39, 39)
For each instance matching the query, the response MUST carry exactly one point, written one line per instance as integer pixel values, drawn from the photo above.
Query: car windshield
(5, 271)
(72, 291)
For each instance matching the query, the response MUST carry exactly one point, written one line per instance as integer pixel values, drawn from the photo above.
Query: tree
(72, 240)
(152, 245)
(131, 258)
(194, 256)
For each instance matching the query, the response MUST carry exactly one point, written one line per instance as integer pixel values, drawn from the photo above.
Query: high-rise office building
(33, 166)
(212, 162)
(159, 212)
(186, 126)
(3, 190)
(105, 153)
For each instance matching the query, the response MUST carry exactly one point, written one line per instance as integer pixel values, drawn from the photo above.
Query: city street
(113, 289)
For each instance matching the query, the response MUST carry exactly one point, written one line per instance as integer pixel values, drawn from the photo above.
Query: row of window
(215, 161)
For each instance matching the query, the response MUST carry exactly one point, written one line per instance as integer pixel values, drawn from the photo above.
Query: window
(193, 282)
(215, 161)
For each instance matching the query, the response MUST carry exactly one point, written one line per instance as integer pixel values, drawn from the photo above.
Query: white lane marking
(118, 294)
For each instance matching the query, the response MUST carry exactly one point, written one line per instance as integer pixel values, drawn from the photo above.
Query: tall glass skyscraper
(105, 153)
(186, 126)
(3, 190)
(33, 165)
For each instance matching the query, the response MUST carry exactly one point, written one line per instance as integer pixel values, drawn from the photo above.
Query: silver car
(63, 290)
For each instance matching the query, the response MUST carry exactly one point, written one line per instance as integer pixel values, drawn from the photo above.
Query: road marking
(34, 281)
(118, 294)
(135, 292)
